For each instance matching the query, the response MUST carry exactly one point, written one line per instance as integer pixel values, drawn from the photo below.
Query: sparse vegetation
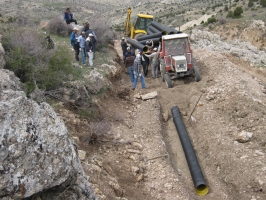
(28, 57)
(59, 27)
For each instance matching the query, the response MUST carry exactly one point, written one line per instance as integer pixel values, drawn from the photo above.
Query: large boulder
(37, 156)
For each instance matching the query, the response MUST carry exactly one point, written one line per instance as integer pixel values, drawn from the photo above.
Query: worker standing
(155, 61)
(90, 49)
(137, 71)
(74, 42)
(129, 62)
(94, 38)
(82, 43)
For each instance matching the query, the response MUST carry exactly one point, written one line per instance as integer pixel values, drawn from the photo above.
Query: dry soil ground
(140, 156)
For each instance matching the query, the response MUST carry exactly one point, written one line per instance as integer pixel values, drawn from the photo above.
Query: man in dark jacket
(129, 62)
(94, 38)
(90, 49)
(145, 61)
(68, 17)
(124, 46)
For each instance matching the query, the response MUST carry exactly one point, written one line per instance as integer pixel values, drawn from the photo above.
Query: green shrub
(250, 4)
(238, 11)
(32, 63)
(211, 20)
(263, 3)
(230, 14)
(226, 8)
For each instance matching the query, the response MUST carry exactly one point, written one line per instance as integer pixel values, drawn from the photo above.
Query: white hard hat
(128, 48)
(75, 29)
(90, 34)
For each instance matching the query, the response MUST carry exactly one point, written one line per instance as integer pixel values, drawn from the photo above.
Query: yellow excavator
(140, 27)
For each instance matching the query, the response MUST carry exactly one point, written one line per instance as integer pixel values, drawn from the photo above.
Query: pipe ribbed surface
(161, 27)
(194, 167)
(153, 29)
(138, 45)
(155, 41)
(148, 37)
(149, 32)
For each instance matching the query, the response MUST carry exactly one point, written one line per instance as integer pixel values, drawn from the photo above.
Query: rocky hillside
(38, 157)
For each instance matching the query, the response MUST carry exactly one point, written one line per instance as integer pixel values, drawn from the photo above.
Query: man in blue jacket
(74, 42)
(68, 17)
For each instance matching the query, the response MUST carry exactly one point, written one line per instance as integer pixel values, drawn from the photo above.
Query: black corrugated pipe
(148, 37)
(149, 32)
(155, 41)
(161, 27)
(194, 167)
(153, 29)
(138, 45)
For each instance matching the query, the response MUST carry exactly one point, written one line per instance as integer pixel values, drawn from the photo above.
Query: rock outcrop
(38, 160)
(2, 53)
(243, 50)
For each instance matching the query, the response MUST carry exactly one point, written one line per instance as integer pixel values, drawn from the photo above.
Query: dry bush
(59, 27)
(100, 129)
(222, 21)
(36, 66)
(103, 31)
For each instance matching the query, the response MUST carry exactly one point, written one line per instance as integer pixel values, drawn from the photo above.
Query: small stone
(165, 116)
(135, 170)
(244, 137)
(140, 178)
(168, 186)
(133, 151)
(82, 154)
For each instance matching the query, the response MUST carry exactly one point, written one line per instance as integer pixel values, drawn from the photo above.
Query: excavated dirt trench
(139, 156)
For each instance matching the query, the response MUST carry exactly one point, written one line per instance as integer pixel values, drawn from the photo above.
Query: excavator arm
(128, 26)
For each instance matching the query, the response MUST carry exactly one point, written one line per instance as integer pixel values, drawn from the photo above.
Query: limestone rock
(137, 96)
(166, 116)
(140, 177)
(110, 69)
(82, 154)
(150, 95)
(244, 137)
(36, 151)
(2, 53)
(117, 189)
(135, 170)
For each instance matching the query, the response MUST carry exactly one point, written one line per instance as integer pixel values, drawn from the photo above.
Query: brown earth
(139, 156)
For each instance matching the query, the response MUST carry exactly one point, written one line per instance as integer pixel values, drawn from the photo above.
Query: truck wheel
(196, 73)
(168, 81)
(162, 68)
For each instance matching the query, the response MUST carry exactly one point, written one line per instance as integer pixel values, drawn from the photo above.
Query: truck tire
(162, 68)
(196, 73)
(168, 81)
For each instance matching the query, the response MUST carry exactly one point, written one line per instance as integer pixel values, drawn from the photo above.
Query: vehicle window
(176, 46)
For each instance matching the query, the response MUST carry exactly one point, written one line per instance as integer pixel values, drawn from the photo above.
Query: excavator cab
(143, 22)
(141, 25)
